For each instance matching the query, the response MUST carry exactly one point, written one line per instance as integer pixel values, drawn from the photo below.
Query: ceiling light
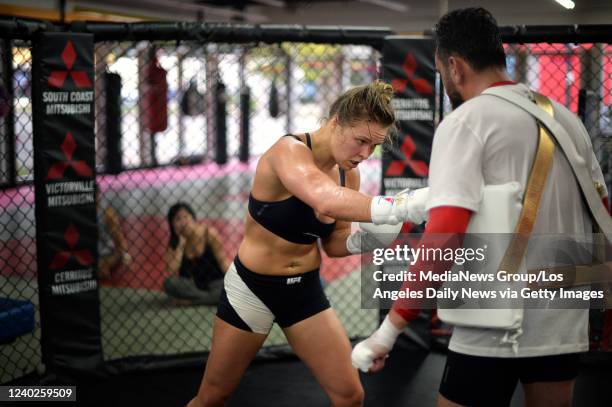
(389, 4)
(271, 3)
(568, 4)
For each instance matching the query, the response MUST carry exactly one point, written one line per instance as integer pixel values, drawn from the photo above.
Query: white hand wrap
(376, 346)
(372, 237)
(407, 206)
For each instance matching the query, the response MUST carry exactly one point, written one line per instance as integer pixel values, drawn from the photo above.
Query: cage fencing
(181, 118)
(182, 112)
(572, 65)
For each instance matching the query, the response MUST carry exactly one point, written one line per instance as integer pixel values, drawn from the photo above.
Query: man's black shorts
(489, 381)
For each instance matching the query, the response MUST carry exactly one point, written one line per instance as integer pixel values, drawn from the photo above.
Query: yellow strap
(533, 193)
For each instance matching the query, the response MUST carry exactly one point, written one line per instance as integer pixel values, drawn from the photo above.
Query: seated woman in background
(195, 259)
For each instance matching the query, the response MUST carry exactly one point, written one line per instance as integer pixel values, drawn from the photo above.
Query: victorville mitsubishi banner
(408, 64)
(64, 179)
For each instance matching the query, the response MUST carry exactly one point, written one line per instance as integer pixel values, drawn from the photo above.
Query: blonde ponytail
(370, 102)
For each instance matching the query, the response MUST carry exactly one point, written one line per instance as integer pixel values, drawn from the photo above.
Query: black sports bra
(291, 218)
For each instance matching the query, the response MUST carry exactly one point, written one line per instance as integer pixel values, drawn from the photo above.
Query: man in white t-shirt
(487, 141)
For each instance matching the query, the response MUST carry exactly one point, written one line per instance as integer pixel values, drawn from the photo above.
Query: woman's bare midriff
(263, 252)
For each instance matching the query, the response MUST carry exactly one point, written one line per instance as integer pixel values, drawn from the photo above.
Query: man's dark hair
(472, 34)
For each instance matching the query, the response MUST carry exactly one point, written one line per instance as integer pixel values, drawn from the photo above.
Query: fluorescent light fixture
(271, 3)
(389, 4)
(568, 4)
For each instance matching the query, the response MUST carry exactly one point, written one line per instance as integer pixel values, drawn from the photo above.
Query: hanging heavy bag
(245, 129)
(192, 101)
(184, 103)
(112, 87)
(220, 123)
(5, 102)
(273, 105)
(156, 98)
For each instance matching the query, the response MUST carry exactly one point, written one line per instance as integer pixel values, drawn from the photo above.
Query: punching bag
(220, 123)
(245, 129)
(192, 101)
(5, 102)
(155, 104)
(156, 98)
(112, 87)
(273, 104)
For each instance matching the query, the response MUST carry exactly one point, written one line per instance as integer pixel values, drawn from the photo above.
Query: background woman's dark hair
(173, 241)
(472, 34)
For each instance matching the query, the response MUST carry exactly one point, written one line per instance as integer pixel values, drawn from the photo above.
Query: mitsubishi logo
(58, 169)
(420, 85)
(408, 148)
(82, 256)
(80, 78)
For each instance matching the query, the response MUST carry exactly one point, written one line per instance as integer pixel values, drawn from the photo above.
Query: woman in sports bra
(305, 190)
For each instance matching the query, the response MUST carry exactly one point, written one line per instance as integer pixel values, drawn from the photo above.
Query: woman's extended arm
(335, 244)
(294, 165)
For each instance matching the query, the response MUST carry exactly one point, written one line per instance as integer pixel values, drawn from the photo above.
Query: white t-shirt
(488, 141)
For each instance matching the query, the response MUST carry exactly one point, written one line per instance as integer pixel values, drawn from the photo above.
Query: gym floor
(410, 378)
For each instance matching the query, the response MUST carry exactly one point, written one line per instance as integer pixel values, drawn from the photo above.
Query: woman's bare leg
(231, 353)
(322, 344)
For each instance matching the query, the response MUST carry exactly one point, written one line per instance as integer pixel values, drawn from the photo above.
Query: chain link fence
(185, 121)
(176, 121)
(20, 351)
(193, 155)
(577, 75)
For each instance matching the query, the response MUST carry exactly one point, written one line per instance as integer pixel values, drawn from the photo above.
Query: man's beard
(454, 97)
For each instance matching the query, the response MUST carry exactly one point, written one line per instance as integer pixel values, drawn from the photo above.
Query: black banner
(64, 182)
(408, 64)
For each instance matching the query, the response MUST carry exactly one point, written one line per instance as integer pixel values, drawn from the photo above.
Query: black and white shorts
(253, 302)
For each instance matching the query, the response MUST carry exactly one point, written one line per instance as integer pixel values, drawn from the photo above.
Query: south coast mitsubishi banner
(64, 180)
(408, 64)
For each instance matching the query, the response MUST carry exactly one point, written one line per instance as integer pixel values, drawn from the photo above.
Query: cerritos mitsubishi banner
(64, 180)
(408, 64)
